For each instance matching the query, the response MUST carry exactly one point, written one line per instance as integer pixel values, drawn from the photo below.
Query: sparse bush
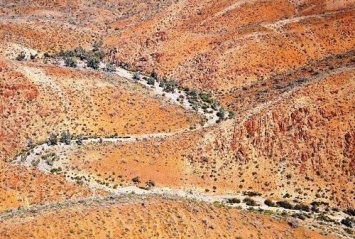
(52, 140)
(110, 67)
(35, 163)
(284, 204)
(81, 53)
(250, 202)
(287, 195)
(206, 97)
(96, 46)
(66, 53)
(68, 61)
(325, 218)
(79, 139)
(150, 183)
(56, 170)
(30, 143)
(93, 63)
(231, 115)
(21, 56)
(192, 94)
(65, 137)
(269, 203)
(151, 81)
(136, 76)
(124, 65)
(293, 222)
(251, 194)
(221, 113)
(347, 222)
(302, 207)
(233, 200)
(350, 212)
(170, 86)
(154, 75)
(136, 180)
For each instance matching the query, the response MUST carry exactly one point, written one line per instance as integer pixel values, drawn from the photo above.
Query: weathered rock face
(311, 130)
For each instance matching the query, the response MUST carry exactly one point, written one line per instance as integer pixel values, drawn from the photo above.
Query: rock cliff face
(311, 132)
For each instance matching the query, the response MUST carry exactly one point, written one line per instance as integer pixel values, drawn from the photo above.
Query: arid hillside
(262, 104)
(37, 100)
(147, 217)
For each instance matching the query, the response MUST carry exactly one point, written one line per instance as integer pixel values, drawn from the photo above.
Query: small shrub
(79, 139)
(136, 76)
(93, 63)
(52, 140)
(154, 75)
(233, 200)
(136, 180)
(221, 113)
(269, 203)
(150, 183)
(110, 67)
(250, 202)
(302, 207)
(231, 115)
(348, 222)
(251, 194)
(151, 81)
(284, 204)
(350, 212)
(21, 56)
(68, 61)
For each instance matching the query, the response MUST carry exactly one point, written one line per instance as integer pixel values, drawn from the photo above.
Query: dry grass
(150, 218)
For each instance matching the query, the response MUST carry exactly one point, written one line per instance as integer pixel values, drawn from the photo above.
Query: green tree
(93, 63)
(68, 61)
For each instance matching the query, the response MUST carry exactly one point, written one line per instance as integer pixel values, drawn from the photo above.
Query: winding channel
(91, 182)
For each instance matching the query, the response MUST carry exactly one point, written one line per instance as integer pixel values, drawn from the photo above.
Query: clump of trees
(92, 58)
